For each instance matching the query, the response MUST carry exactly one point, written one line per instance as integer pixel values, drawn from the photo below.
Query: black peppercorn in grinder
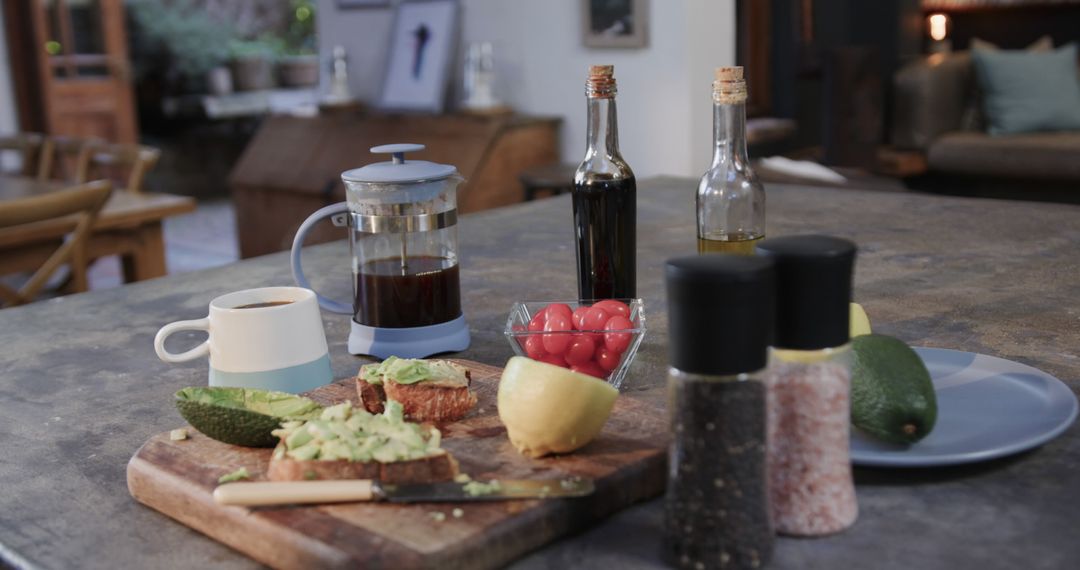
(720, 321)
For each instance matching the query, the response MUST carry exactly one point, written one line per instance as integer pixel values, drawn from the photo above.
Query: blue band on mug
(293, 379)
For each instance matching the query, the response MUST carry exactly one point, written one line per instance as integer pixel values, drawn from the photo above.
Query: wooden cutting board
(627, 462)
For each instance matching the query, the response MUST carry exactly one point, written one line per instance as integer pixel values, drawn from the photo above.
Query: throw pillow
(973, 118)
(1029, 91)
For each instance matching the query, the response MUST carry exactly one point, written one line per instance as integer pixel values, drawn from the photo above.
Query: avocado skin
(892, 395)
(230, 425)
(234, 425)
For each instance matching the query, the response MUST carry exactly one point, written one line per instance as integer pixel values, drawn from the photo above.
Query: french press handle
(338, 213)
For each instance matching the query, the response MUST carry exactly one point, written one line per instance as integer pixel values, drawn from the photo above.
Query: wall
(9, 122)
(664, 107)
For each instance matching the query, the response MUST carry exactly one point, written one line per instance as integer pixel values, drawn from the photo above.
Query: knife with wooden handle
(267, 493)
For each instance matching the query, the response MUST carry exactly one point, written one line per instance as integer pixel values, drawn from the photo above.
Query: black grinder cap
(813, 290)
(720, 313)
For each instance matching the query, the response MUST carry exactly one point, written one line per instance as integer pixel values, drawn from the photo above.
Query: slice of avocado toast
(892, 395)
(241, 416)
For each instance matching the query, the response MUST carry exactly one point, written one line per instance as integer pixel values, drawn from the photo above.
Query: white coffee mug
(270, 338)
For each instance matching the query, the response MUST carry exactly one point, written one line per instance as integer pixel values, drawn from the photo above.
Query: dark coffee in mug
(263, 305)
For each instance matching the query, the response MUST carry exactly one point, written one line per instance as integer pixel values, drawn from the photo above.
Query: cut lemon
(860, 323)
(549, 409)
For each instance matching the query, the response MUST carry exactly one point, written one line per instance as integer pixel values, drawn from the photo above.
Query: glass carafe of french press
(402, 220)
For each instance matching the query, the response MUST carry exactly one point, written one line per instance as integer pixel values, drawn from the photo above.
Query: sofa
(937, 112)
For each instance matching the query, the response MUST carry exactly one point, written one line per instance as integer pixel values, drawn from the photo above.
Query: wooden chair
(53, 227)
(66, 158)
(125, 164)
(28, 147)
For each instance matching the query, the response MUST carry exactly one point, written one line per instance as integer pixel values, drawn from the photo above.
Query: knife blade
(265, 493)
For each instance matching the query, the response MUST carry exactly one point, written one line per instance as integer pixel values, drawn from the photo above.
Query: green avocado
(241, 416)
(892, 395)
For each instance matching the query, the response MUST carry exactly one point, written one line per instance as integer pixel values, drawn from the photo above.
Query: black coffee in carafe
(427, 293)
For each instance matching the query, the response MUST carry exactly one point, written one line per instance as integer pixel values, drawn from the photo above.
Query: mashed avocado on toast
(430, 390)
(342, 432)
(413, 370)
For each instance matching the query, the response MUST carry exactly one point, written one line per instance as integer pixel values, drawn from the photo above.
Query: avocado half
(242, 416)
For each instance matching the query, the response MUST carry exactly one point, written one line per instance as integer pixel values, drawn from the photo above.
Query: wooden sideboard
(293, 165)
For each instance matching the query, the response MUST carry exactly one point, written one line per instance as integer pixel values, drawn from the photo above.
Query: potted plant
(252, 64)
(298, 62)
(192, 43)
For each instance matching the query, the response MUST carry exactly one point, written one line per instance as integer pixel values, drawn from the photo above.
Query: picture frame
(615, 23)
(423, 43)
(347, 4)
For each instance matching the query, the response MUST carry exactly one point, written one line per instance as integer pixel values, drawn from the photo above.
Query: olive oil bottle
(730, 199)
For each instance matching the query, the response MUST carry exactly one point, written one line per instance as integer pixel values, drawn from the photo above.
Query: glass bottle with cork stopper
(808, 382)
(730, 199)
(605, 200)
(720, 320)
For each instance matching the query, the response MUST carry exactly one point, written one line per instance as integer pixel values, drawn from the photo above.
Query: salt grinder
(720, 324)
(808, 383)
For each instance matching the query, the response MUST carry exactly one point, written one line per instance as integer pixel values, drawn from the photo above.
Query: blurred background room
(222, 124)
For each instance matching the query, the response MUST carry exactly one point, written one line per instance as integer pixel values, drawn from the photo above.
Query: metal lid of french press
(399, 170)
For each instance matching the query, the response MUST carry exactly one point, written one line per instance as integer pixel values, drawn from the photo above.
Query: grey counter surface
(81, 388)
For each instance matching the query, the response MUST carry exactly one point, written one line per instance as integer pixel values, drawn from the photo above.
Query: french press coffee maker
(402, 220)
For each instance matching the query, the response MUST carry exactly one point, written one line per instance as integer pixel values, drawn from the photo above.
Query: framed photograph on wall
(346, 4)
(422, 45)
(615, 23)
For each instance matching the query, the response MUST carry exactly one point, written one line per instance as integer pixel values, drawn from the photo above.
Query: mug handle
(167, 330)
(298, 245)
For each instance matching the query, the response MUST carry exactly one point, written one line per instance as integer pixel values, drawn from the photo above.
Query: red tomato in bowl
(591, 369)
(534, 347)
(555, 359)
(560, 308)
(536, 324)
(617, 341)
(577, 317)
(594, 319)
(607, 359)
(581, 350)
(559, 324)
(613, 307)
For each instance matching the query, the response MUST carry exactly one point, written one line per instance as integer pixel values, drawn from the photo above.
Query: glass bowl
(522, 313)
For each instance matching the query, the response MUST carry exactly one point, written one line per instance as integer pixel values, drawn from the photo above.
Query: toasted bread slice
(432, 469)
(429, 402)
(440, 399)
(372, 396)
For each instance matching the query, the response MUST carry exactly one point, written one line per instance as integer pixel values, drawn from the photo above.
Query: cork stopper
(734, 73)
(729, 87)
(601, 82)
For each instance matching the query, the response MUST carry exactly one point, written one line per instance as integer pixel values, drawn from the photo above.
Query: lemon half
(549, 409)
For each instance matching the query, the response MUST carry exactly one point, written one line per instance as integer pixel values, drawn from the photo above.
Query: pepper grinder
(808, 384)
(720, 325)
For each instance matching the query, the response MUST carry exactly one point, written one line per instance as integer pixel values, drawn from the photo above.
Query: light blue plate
(988, 407)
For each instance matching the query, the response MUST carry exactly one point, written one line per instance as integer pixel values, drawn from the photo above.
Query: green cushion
(1029, 91)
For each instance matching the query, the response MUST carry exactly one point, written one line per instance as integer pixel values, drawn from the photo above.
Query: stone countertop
(81, 388)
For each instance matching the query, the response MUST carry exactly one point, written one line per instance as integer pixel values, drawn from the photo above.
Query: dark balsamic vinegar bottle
(605, 200)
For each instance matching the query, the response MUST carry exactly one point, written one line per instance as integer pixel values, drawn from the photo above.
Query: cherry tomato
(617, 342)
(607, 359)
(614, 307)
(591, 369)
(534, 347)
(581, 350)
(594, 319)
(561, 308)
(555, 359)
(536, 324)
(578, 316)
(556, 343)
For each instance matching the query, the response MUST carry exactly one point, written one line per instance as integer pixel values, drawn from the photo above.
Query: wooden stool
(554, 178)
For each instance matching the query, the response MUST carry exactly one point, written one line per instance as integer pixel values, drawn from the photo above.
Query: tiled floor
(199, 240)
